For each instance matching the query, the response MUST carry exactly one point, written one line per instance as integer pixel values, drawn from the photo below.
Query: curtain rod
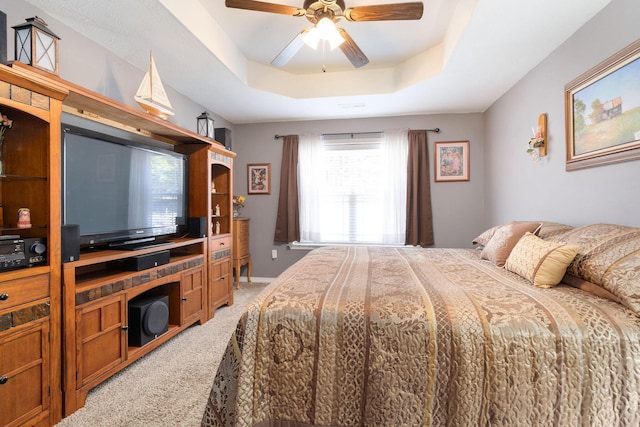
(436, 130)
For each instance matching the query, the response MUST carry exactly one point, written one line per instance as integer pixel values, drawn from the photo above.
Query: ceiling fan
(323, 14)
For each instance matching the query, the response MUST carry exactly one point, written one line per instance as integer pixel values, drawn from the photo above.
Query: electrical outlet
(274, 253)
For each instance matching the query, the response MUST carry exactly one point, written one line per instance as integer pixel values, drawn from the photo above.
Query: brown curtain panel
(288, 219)
(419, 215)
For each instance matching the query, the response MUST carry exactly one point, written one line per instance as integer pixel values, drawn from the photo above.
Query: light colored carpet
(169, 386)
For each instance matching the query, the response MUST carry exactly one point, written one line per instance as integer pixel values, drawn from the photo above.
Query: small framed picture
(452, 161)
(259, 178)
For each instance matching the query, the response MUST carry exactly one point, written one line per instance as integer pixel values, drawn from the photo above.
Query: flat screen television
(122, 191)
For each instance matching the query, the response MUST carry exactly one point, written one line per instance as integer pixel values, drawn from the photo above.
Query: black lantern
(37, 45)
(205, 125)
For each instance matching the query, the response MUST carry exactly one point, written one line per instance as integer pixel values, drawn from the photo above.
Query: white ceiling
(460, 57)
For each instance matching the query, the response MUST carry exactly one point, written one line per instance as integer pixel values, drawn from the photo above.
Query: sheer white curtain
(395, 149)
(310, 182)
(353, 193)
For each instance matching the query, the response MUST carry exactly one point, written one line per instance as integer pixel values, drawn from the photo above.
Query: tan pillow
(547, 228)
(609, 256)
(485, 236)
(541, 262)
(499, 247)
(552, 229)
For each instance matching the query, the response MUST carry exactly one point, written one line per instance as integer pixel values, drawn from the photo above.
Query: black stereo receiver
(20, 253)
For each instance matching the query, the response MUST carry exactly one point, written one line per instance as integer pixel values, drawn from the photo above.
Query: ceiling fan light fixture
(325, 29)
(329, 32)
(324, 14)
(312, 38)
(335, 40)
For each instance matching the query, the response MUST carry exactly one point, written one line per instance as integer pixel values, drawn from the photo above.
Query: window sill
(307, 246)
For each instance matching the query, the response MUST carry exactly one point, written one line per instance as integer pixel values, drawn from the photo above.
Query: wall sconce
(538, 143)
(36, 45)
(542, 129)
(205, 125)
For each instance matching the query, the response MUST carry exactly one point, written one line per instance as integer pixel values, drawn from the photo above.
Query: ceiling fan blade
(261, 6)
(385, 12)
(291, 49)
(352, 51)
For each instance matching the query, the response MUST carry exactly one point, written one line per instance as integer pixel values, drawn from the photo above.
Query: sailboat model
(151, 95)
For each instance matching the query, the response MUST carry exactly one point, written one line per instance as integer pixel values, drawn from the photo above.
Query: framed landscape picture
(259, 178)
(602, 112)
(452, 161)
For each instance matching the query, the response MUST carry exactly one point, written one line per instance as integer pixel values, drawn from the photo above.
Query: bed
(371, 336)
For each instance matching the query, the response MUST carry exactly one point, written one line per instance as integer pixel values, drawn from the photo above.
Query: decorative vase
(534, 152)
(236, 211)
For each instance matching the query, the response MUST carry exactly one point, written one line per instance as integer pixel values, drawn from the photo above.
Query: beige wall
(518, 189)
(457, 206)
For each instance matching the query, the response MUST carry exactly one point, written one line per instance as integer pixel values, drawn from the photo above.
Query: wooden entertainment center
(64, 327)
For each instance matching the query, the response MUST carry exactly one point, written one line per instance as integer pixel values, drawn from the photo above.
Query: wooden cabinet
(220, 290)
(192, 299)
(100, 289)
(36, 378)
(211, 176)
(221, 193)
(220, 240)
(30, 309)
(241, 252)
(98, 295)
(24, 383)
(100, 338)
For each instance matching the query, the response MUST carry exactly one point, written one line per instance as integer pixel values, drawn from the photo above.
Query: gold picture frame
(602, 112)
(451, 161)
(259, 178)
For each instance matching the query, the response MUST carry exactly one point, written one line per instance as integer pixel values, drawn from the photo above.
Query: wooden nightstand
(241, 254)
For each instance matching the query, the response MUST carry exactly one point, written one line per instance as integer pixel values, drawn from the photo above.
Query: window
(353, 190)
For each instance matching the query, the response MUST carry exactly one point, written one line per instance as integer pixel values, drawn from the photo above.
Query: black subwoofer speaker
(70, 240)
(148, 319)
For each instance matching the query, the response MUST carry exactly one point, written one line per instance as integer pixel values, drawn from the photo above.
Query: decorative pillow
(549, 229)
(542, 263)
(552, 229)
(499, 247)
(589, 287)
(484, 238)
(609, 256)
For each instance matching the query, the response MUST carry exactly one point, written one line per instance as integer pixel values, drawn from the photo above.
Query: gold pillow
(541, 262)
(504, 239)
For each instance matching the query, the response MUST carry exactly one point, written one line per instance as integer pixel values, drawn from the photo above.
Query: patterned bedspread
(357, 336)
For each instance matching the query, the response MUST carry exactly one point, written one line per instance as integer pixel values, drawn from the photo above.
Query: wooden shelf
(31, 160)
(105, 255)
(10, 178)
(95, 278)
